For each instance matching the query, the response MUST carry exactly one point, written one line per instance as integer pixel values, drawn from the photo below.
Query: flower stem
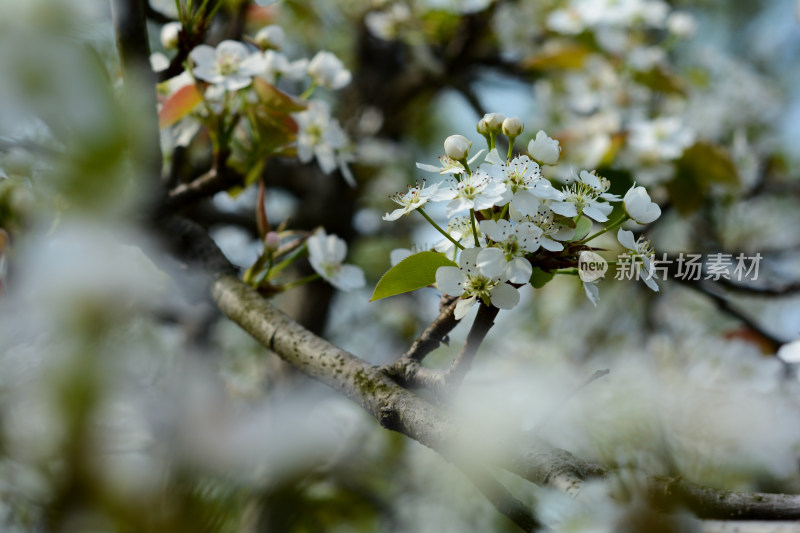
(301, 281)
(308, 92)
(466, 166)
(619, 221)
(474, 228)
(510, 149)
(439, 229)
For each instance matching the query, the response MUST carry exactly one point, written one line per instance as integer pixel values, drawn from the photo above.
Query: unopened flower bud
(270, 37)
(494, 121)
(169, 35)
(544, 149)
(272, 241)
(512, 127)
(482, 128)
(457, 147)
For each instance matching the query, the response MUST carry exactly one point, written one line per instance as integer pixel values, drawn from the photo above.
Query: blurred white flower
(639, 207)
(169, 35)
(322, 137)
(328, 71)
(790, 352)
(659, 139)
(326, 254)
(271, 36)
(230, 65)
(470, 283)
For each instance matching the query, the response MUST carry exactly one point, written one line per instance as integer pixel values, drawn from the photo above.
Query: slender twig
(434, 335)
(484, 321)
(537, 427)
(724, 305)
(499, 496)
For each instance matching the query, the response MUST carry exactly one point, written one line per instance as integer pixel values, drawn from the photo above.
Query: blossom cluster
(505, 218)
(231, 68)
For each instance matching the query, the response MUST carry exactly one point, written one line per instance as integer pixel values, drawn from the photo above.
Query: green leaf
(582, 228)
(539, 277)
(698, 168)
(413, 272)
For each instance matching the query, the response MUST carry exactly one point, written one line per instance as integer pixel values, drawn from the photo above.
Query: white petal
(592, 293)
(519, 270)
(463, 306)
(526, 203)
(626, 239)
(565, 209)
(551, 245)
(450, 280)
(594, 212)
(504, 296)
(493, 157)
(428, 168)
(348, 278)
(491, 229)
(491, 261)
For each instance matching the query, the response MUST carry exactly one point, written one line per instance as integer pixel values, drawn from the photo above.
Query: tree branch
(130, 26)
(398, 409)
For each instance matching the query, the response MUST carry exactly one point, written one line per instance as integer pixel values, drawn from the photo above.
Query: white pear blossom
(584, 195)
(639, 207)
(469, 283)
(523, 180)
(271, 36)
(506, 258)
(448, 165)
(460, 229)
(278, 65)
(552, 231)
(416, 197)
(663, 138)
(640, 248)
(229, 66)
(327, 70)
(476, 191)
(544, 149)
(457, 147)
(326, 254)
(322, 137)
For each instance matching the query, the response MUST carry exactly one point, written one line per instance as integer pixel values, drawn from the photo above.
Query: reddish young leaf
(179, 105)
(274, 98)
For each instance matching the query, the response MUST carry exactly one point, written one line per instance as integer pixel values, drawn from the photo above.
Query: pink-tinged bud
(457, 147)
(272, 241)
(512, 127)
